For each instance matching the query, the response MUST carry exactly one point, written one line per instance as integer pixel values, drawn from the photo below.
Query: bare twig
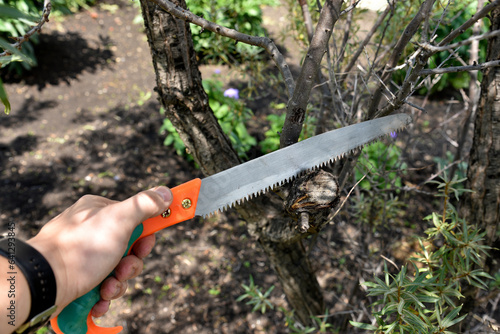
(306, 14)
(479, 15)
(403, 41)
(432, 48)
(443, 14)
(365, 42)
(47, 7)
(415, 106)
(345, 39)
(467, 68)
(350, 8)
(263, 42)
(349, 194)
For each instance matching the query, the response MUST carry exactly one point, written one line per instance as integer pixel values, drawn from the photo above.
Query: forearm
(68, 258)
(15, 299)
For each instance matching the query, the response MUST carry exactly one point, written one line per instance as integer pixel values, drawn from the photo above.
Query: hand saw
(233, 186)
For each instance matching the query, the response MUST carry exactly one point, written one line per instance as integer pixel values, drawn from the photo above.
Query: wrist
(54, 258)
(32, 285)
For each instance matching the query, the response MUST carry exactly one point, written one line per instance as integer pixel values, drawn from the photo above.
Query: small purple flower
(217, 71)
(394, 134)
(232, 93)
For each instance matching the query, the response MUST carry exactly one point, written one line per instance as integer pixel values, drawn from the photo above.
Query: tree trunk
(483, 173)
(186, 104)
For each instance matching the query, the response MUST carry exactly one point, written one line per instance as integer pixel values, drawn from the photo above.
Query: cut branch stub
(311, 198)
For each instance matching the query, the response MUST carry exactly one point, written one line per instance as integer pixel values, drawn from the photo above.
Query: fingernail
(118, 287)
(164, 192)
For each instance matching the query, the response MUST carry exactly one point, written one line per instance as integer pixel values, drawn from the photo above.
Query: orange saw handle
(76, 318)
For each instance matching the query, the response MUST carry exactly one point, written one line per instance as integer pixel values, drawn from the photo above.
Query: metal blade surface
(242, 182)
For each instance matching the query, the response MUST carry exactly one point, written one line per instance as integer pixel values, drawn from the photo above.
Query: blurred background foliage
(244, 16)
(19, 15)
(455, 15)
(17, 18)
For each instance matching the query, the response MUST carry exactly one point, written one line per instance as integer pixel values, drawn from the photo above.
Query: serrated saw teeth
(253, 178)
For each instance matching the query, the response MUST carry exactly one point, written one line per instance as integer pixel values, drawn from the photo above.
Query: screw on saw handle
(76, 317)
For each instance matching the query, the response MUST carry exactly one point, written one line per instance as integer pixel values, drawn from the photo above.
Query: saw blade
(245, 181)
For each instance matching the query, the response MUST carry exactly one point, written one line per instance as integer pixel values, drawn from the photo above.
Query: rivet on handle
(166, 213)
(186, 203)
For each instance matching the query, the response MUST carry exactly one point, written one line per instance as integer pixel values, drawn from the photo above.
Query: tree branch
(405, 38)
(417, 71)
(263, 42)
(347, 31)
(434, 49)
(350, 8)
(479, 15)
(307, 18)
(454, 69)
(297, 105)
(365, 42)
(47, 7)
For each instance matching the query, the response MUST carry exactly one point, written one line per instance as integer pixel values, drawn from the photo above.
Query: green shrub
(378, 173)
(425, 299)
(382, 162)
(17, 18)
(458, 12)
(260, 300)
(272, 141)
(244, 16)
(231, 113)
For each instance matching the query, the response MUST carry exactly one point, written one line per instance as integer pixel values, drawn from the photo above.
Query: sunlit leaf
(363, 325)
(8, 47)
(14, 13)
(4, 98)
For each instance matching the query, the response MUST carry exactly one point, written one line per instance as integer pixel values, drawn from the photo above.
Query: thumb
(144, 205)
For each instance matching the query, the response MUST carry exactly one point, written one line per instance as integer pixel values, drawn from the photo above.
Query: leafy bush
(457, 13)
(261, 302)
(242, 15)
(231, 113)
(423, 296)
(378, 172)
(383, 160)
(272, 141)
(425, 300)
(19, 15)
(17, 18)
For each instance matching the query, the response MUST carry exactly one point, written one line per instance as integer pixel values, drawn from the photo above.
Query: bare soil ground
(84, 122)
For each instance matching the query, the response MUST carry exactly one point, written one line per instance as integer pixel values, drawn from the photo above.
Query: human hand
(87, 241)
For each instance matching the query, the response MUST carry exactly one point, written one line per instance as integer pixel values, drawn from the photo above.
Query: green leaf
(14, 13)
(415, 321)
(401, 304)
(414, 298)
(389, 329)
(4, 98)
(8, 47)
(449, 320)
(363, 325)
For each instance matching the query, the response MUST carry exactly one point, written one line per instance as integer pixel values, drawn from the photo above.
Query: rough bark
(297, 106)
(186, 104)
(484, 161)
(178, 84)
